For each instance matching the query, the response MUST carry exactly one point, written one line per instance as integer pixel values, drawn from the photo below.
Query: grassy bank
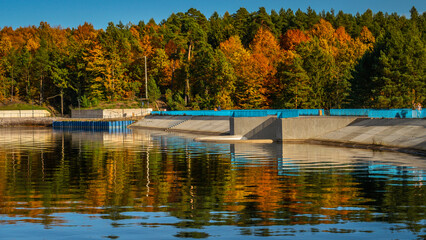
(113, 105)
(21, 106)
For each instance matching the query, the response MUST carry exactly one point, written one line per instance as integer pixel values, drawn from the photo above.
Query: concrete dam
(399, 134)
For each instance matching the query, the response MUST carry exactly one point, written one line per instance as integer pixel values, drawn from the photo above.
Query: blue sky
(71, 13)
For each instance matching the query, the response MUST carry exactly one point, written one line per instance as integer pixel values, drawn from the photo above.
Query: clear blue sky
(71, 13)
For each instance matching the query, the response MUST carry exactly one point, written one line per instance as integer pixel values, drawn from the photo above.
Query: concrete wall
(256, 127)
(110, 113)
(23, 113)
(75, 113)
(274, 128)
(309, 127)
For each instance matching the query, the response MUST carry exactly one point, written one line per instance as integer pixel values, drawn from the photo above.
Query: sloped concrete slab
(160, 122)
(402, 133)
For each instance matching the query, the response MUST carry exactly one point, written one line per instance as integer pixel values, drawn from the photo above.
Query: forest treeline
(243, 60)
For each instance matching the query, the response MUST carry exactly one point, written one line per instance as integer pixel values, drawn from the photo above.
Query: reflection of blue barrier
(287, 113)
(396, 173)
(114, 126)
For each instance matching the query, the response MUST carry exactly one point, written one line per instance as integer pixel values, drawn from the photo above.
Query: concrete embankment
(27, 121)
(392, 134)
(110, 113)
(207, 125)
(24, 114)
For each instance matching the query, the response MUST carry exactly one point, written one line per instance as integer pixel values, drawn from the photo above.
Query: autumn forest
(243, 60)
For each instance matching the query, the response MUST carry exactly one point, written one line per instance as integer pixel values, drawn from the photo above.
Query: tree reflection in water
(127, 176)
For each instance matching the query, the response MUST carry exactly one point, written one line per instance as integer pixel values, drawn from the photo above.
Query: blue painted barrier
(286, 113)
(390, 113)
(226, 113)
(349, 112)
(311, 112)
(250, 113)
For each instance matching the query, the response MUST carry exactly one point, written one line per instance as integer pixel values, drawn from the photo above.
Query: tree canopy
(284, 59)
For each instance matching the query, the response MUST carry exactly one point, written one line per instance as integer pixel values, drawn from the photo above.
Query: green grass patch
(115, 105)
(21, 106)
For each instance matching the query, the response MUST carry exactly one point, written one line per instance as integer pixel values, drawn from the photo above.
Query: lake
(158, 185)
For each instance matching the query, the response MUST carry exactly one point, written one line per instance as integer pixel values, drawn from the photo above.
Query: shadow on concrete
(265, 130)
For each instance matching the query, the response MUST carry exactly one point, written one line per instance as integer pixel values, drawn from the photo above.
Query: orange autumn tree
(5, 49)
(249, 92)
(292, 38)
(266, 55)
(327, 57)
(173, 51)
(96, 67)
(161, 68)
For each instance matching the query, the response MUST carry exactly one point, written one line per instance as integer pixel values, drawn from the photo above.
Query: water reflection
(113, 182)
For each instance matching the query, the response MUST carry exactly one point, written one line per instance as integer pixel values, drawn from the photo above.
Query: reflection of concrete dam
(290, 155)
(397, 133)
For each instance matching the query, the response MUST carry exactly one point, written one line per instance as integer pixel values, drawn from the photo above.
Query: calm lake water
(156, 185)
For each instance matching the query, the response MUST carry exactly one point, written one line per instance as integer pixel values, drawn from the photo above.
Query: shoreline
(48, 121)
(397, 135)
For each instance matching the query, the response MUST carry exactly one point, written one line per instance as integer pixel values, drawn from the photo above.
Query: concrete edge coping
(167, 129)
(231, 139)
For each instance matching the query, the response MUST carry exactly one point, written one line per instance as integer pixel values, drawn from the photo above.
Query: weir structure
(395, 128)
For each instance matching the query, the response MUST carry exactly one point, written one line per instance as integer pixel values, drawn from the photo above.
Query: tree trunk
(11, 95)
(4, 88)
(296, 95)
(27, 86)
(187, 90)
(41, 89)
(62, 102)
(173, 74)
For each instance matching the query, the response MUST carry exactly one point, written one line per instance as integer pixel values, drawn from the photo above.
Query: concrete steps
(207, 124)
(179, 123)
(160, 122)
